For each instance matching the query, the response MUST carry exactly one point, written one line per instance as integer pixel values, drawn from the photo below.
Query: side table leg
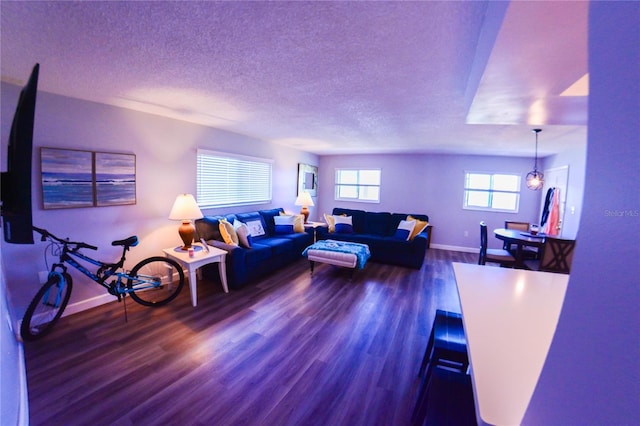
(222, 270)
(192, 287)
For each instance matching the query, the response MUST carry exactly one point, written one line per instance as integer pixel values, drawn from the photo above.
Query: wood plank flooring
(289, 350)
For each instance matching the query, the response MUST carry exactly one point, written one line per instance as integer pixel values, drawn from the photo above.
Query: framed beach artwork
(75, 178)
(115, 179)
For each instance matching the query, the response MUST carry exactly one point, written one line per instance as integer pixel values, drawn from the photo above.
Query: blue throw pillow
(403, 232)
(343, 225)
(284, 224)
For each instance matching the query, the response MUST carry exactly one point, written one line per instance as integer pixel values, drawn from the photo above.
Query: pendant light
(535, 179)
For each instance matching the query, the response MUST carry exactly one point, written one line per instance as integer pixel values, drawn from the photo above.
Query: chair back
(482, 259)
(520, 226)
(557, 255)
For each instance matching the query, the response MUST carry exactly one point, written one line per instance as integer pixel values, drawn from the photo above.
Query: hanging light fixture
(535, 179)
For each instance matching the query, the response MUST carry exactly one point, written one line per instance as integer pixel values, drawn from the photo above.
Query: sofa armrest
(427, 232)
(421, 241)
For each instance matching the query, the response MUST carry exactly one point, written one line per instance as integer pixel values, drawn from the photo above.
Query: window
(231, 180)
(358, 185)
(493, 192)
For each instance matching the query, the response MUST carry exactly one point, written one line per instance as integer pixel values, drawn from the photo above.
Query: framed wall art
(75, 178)
(307, 179)
(115, 179)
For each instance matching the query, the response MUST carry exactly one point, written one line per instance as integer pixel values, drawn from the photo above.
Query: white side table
(315, 226)
(201, 257)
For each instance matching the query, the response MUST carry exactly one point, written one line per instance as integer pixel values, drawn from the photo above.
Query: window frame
(357, 185)
(491, 191)
(253, 172)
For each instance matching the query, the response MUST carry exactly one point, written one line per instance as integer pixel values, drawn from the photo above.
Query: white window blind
(492, 192)
(231, 180)
(358, 185)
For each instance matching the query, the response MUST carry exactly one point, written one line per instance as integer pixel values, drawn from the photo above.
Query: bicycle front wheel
(155, 281)
(46, 307)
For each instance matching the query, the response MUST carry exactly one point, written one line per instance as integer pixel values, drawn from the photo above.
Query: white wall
(433, 184)
(592, 372)
(165, 152)
(14, 402)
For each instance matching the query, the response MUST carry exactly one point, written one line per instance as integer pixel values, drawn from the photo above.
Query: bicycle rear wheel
(46, 307)
(155, 281)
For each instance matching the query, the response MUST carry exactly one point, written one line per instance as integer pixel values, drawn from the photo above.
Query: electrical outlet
(43, 276)
(466, 233)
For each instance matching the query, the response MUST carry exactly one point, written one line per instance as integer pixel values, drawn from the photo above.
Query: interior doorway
(557, 177)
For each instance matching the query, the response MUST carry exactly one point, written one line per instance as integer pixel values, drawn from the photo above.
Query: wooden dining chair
(556, 256)
(500, 256)
(527, 252)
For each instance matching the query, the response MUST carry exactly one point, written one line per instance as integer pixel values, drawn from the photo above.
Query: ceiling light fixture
(535, 179)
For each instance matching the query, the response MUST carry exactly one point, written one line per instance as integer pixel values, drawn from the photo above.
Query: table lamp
(304, 200)
(185, 209)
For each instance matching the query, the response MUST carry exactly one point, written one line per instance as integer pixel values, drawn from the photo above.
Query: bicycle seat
(127, 242)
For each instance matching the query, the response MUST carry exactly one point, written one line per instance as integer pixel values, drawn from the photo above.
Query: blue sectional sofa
(378, 230)
(268, 252)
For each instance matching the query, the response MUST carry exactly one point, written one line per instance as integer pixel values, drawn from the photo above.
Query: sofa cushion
(228, 232)
(356, 215)
(255, 223)
(284, 224)
(418, 228)
(301, 240)
(403, 232)
(244, 238)
(279, 246)
(331, 222)
(257, 254)
(298, 224)
(267, 217)
(378, 224)
(344, 224)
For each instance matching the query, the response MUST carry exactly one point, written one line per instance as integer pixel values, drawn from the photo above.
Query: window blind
(232, 180)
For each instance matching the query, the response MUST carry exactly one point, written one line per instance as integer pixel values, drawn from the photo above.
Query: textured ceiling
(325, 77)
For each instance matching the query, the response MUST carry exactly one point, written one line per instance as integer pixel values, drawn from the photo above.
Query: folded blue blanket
(360, 250)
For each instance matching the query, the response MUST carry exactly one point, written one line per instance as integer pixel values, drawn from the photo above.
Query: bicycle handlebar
(46, 234)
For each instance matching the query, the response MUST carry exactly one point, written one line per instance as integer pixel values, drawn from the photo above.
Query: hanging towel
(553, 227)
(547, 209)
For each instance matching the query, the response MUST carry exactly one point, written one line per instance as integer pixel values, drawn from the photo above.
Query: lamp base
(305, 212)
(187, 232)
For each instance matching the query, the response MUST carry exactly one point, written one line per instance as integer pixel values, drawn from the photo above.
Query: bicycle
(152, 282)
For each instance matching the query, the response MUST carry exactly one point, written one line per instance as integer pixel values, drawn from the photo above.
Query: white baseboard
(456, 248)
(83, 305)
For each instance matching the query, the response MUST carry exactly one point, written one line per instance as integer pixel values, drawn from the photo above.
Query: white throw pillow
(244, 238)
(403, 232)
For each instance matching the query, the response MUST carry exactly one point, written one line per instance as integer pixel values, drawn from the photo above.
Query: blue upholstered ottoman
(338, 253)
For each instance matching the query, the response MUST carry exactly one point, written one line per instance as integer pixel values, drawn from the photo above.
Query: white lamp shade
(185, 208)
(304, 199)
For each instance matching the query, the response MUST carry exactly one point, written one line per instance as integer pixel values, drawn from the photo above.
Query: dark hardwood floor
(288, 350)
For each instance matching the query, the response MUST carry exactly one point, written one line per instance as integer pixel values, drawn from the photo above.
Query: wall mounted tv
(15, 186)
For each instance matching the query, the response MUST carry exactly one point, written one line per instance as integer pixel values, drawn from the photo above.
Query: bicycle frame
(66, 258)
(118, 287)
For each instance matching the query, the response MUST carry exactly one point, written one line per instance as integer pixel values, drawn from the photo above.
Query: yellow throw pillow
(298, 221)
(331, 222)
(298, 224)
(420, 226)
(228, 232)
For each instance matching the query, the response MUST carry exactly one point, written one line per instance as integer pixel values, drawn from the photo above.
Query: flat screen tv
(15, 186)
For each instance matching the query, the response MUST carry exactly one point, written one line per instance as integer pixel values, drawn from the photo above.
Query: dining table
(509, 317)
(520, 239)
